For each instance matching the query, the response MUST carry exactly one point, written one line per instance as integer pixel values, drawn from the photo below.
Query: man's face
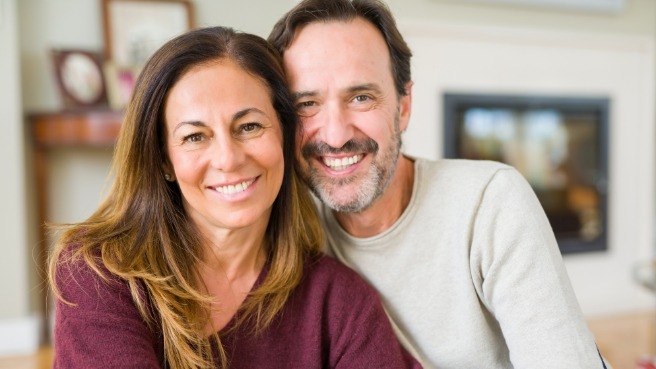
(351, 115)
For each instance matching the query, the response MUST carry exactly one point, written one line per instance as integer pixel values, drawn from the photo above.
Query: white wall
(457, 58)
(637, 17)
(17, 323)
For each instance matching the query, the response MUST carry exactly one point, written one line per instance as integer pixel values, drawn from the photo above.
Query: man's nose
(336, 128)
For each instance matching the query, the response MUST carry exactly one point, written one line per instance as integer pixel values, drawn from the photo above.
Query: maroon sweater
(333, 319)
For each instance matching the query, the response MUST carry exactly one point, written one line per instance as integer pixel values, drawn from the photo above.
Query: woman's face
(224, 144)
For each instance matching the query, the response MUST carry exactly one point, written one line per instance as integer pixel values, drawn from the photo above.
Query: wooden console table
(64, 129)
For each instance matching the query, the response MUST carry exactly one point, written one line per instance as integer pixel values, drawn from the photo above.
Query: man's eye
(307, 108)
(362, 98)
(305, 104)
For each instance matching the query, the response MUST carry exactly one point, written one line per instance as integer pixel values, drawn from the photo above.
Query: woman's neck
(234, 255)
(232, 262)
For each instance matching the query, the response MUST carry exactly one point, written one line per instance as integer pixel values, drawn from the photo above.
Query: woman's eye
(194, 137)
(250, 127)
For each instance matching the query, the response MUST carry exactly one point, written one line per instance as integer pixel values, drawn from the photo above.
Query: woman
(205, 253)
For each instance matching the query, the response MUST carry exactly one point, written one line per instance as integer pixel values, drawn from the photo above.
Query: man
(461, 251)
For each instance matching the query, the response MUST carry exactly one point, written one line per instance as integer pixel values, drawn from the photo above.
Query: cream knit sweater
(471, 274)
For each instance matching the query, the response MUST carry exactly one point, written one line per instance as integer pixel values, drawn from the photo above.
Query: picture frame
(134, 29)
(80, 77)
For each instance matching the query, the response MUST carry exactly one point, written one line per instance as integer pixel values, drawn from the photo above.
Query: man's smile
(341, 163)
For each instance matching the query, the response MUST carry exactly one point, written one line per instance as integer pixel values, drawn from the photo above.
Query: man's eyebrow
(353, 89)
(364, 87)
(302, 94)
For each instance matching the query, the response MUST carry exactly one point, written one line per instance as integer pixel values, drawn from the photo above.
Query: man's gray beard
(373, 186)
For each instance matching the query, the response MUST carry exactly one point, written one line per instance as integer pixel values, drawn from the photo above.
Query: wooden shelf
(63, 129)
(88, 128)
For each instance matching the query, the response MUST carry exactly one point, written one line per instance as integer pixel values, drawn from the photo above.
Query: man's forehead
(350, 44)
(357, 31)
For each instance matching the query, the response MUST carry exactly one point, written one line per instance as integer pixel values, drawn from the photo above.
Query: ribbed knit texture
(332, 320)
(471, 273)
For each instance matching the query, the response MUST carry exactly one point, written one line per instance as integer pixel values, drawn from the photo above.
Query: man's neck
(387, 209)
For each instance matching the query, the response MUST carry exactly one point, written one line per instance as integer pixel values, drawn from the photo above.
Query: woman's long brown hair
(141, 233)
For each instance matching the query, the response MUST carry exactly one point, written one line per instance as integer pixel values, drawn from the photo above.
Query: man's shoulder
(458, 171)
(461, 165)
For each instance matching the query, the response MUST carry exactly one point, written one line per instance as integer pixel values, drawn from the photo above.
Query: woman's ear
(169, 173)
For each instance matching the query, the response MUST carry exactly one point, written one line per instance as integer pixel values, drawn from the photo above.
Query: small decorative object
(646, 362)
(80, 79)
(120, 83)
(134, 29)
(645, 274)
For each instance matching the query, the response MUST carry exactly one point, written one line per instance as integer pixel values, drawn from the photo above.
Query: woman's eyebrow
(242, 113)
(195, 123)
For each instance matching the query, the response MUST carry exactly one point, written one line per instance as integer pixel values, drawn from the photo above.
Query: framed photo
(134, 29)
(80, 77)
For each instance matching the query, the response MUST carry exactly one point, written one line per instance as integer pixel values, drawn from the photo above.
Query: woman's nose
(226, 154)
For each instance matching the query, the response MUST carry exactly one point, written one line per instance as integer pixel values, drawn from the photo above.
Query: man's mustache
(321, 148)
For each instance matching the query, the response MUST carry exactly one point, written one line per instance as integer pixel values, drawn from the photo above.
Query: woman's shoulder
(96, 317)
(84, 281)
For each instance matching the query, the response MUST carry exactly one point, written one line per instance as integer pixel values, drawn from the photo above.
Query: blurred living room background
(563, 89)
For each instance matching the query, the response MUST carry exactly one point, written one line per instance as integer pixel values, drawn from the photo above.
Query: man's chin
(348, 195)
(342, 204)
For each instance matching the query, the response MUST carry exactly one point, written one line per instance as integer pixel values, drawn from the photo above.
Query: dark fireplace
(559, 144)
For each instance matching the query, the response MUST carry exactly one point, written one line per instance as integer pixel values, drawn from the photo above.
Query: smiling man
(461, 251)
(352, 120)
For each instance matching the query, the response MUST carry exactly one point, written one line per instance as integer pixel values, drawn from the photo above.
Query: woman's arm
(362, 336)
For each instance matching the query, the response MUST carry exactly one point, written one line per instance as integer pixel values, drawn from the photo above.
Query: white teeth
(233, 189)
(343, 163)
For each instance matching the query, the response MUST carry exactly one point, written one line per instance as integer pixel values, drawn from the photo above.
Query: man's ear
(405, 106)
